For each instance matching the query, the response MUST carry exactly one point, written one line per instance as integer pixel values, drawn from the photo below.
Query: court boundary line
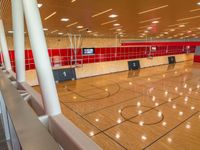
(171, 130)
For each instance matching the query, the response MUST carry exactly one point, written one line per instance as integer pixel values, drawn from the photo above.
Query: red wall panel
(105, 54)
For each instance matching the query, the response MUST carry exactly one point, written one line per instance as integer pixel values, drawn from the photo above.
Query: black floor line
(132, 117)
(94, 126)
(104, 131)
(170, 130)
(127, 100)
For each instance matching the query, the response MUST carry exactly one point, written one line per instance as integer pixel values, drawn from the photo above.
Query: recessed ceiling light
(10, 31)
(39, 5)
(182, 25)
(198, 3)
(64, 19)
(119, 29)
(113, 16)
(45, 29)
(89, 31)
(116, 24)
(79, 27)
(155, 22)
(60, 33)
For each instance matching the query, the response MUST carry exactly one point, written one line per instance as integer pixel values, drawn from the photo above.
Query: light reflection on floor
(154, 108)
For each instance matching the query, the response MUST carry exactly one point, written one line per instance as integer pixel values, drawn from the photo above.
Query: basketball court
(152, 108)
(99, 75)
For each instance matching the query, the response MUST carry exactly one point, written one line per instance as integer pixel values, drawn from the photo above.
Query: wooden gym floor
(155, 108)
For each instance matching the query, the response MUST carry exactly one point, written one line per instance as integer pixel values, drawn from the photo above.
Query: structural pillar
(41, 57)
(18, 28)
(4, 47)
(1, 57)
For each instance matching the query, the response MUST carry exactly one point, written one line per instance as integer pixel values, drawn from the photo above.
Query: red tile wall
(63, 56)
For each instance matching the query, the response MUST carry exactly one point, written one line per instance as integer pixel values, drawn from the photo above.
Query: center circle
(132, 112)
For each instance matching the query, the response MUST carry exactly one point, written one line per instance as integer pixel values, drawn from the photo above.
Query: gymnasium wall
(64, 57)
(63, 42)
(94, 69)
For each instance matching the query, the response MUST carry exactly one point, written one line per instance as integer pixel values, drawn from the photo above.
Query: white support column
(4, 47)
(41, 58)
(1, 57)
(18, 28)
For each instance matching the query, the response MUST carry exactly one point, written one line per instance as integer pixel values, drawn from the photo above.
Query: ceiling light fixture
(155, 22)
(60, 33)
(116, 24)
(89, 31)
(51, 15)
(150, 10)
(79, 27)
(101, 13)
(189, 18)
(115, 27)
(64, 19)
(173, 25)
(10, 31)
(72, 24)
(113, 16)
(39, 5)
(150, 20)
(105, 23)
(54, 31)
(182, 25)
(83, 29)
(193, 10)
(45, 29)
